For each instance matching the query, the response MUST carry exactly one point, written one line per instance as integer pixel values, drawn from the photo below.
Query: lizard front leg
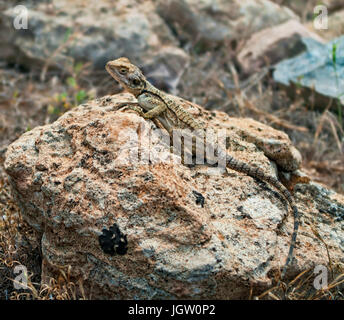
(153, 105)
(135, 106)
(155, 109)
(145, 102)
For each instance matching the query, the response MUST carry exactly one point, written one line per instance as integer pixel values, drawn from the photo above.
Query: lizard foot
(130, 106)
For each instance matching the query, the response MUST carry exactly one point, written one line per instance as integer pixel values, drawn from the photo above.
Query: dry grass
(62, 288)
(302, 287)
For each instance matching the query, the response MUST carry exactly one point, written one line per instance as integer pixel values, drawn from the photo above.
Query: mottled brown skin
(171, 114)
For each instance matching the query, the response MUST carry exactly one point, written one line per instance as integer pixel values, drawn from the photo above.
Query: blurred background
(247, 58)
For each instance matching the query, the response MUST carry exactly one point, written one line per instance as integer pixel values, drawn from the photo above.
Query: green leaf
(78, 67)
(67, 34)
(62, 96)
(334, 53)
(52, 110)
(81, 96)
(71, 82)
(15, 94)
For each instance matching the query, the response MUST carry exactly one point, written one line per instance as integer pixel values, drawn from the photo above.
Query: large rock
(212, 22)
(272, 45)
(120, 216)
(63, 33)
(318, 71)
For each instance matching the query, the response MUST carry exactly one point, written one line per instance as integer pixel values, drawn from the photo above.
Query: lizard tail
(259, 174)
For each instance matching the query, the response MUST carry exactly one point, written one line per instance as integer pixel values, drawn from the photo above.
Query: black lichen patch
(113, 241)
(199, 198)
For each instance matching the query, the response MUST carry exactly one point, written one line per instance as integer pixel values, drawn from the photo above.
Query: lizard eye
(136, 82)
(123, 70)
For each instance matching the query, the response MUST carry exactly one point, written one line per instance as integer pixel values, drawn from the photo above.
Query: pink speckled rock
(130, 228)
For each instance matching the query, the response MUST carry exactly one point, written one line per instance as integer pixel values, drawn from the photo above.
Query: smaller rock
(96, 33)
(212, 22)
(319, 72)
(274, 44)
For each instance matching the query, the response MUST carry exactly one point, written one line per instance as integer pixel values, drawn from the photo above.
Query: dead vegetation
(302, 287)
(12, 255)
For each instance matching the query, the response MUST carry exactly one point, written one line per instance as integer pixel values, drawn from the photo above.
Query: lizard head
(127, 74)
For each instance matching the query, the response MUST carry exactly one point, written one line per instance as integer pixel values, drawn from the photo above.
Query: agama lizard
(171, 115)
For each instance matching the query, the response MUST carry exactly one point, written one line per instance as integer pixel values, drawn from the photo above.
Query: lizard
(155, 104)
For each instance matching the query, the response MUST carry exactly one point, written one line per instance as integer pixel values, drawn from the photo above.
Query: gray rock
(274, 44)
(315, 69)
(66, 32)
(212, 22)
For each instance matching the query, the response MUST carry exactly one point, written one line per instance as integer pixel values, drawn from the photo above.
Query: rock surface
(320, 70)
(148, 228)
(274, 44)
(67, 32)
(212, 22)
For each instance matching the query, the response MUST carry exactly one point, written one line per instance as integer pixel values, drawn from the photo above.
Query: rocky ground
(214, 53)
